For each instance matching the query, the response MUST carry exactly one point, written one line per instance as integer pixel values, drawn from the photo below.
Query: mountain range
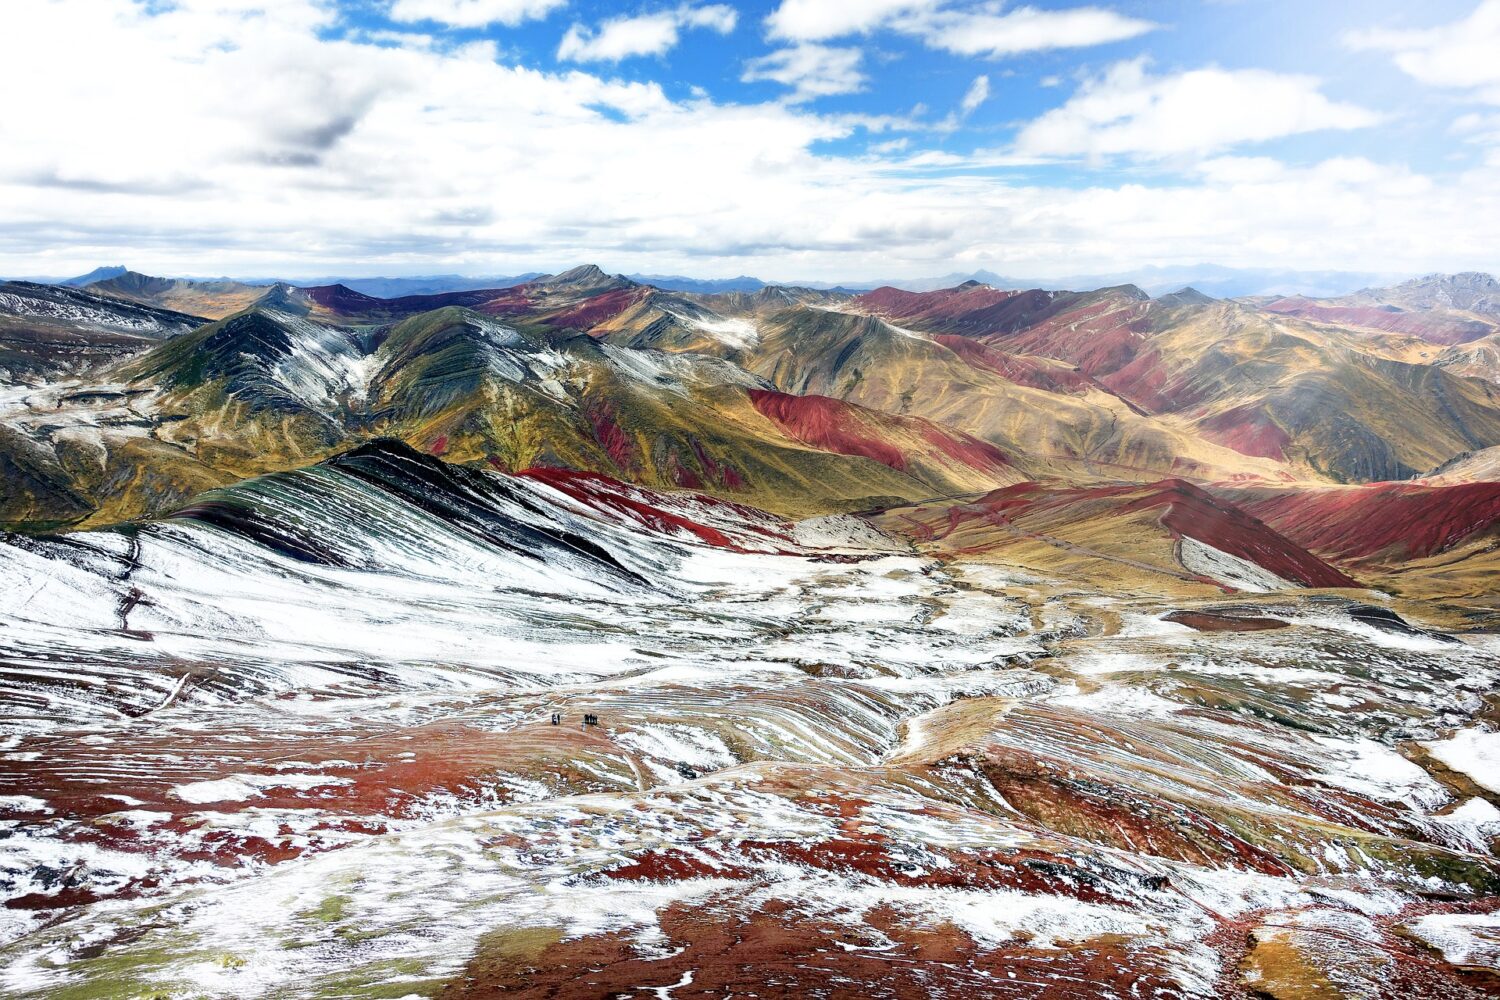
(580, 634)
(1214, 279)
(800, 400)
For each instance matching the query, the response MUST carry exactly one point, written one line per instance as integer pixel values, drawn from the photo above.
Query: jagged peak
(134, 281)
(586, 276)
(1456, 278)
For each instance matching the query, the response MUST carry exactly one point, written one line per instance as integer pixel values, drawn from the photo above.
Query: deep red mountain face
(1249, 430)
(1193, 513)
(1098, 333)
(1064, 325)
(846, 429)
(1386, 522)
(965, 306)
(706, 519)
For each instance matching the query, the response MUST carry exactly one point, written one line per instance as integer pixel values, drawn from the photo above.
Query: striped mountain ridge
(274, 386)
(795, 400)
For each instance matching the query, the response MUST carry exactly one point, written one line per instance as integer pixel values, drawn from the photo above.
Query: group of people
(589, 719)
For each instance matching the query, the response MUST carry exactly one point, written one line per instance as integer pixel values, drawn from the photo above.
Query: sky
(792, 139)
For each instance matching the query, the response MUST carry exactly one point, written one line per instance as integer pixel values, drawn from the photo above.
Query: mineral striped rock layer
(581, 638)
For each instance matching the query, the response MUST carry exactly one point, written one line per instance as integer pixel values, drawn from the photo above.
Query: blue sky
(906, 78)
(817, 139)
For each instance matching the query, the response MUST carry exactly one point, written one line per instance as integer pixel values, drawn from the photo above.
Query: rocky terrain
(581, 638)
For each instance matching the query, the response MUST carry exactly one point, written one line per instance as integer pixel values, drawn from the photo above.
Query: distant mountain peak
(1129, 291)
(131, 281)
(1467, 291)
(1187, 295)
(97, 274)
(1457, 278)
(586, 276)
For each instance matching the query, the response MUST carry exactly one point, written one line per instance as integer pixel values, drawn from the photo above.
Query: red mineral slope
(599, 308)
(1109, 522)
(845, 428)
(706, 519)
(1249, 430)
(515, 301)
(343, 300)
(1433, 327)
(614, 439)
(1193, 513)
(1101, 332)
(947, 303)
(1021, 370)
(975, 310)
(1389, 522)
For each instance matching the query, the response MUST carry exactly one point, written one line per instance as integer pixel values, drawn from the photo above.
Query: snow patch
(842, 531)
(739, 334)
(1470, 940)
(239, 787)
(1474, 752)
(1376, 771)
(1229, 570)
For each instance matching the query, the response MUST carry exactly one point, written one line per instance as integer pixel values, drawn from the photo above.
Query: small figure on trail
(590, 719)
(557, 718)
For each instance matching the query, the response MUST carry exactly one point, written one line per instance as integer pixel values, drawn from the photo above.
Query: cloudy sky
(813, 139)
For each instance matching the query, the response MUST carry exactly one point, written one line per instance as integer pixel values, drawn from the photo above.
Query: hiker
(557, 718)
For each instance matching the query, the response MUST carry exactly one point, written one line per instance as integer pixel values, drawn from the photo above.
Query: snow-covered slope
(296, 739)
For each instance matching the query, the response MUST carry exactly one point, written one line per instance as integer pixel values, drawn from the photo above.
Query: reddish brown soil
(599, 308)
(1206, 621)
(778, 952)
(1249, 430)
(1114, 815)
(614, 439)
(390, 773)
(849, 429)
(1391, 521)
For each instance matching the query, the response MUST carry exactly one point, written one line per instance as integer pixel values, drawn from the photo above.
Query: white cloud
(986, 29)
(820, 20)
(473, 13)
(811, 70)
(1479, 129)
(1462, 55)
(642, 35)
(1128, 111)
(349, 156)
(977, 94)
(994, 34)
